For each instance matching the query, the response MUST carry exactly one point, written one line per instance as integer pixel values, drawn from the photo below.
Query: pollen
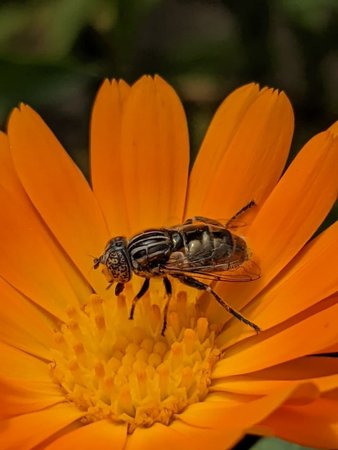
(125, 370)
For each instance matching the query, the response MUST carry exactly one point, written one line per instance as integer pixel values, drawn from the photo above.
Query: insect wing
(248, 271)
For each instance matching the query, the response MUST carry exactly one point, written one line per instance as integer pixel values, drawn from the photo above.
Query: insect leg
(204, 287)
(119, 288)
(143, 290)
(205, 220)
(168, 290)
(240, 212)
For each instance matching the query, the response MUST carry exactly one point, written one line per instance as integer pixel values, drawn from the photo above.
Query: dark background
(55, 53)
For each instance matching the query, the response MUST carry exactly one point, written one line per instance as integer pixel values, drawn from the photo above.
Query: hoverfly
(199, 249)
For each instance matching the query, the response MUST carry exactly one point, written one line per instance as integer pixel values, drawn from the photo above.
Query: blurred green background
(55, 53)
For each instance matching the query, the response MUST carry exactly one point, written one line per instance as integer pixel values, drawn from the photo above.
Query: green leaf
(277, 444)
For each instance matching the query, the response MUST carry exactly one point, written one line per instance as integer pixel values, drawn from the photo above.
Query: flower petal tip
(107, 82)
(158, 79)
(334, 129)
(13, 118)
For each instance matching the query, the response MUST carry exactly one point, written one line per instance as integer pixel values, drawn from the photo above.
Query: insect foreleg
(168, 290)
(143, 290)
(119, 288)
(189, 281)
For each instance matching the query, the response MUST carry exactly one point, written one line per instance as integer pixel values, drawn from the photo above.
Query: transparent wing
(248, 271)
(230, 223)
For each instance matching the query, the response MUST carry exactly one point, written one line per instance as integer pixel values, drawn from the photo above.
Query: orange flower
(75, 372)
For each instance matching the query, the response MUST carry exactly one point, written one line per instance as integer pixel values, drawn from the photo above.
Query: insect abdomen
(209, 246)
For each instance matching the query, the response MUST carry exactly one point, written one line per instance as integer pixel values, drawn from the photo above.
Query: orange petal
(243, 153)
(103, 435)
(105, 149)
(321, 371)
(57, 188)
(293, 340)
(297, 206)
(18, 364)
(8, 178)
(26, 431)
(155, 155)
(22, 325)
(21, 207)
(238, 413)
(180, 435)
(290, 215)
(25, 382)
(334, 129)
(316, 262)
(314, 425)
(331, 349)
(27, 261)
(25, 396)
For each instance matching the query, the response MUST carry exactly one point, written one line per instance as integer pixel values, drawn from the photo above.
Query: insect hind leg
(240, 212)
(216, 223)
(190, 281)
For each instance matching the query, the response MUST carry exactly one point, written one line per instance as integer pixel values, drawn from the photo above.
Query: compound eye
(118, 266)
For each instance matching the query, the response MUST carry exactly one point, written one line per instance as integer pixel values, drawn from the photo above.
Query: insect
(199, 249)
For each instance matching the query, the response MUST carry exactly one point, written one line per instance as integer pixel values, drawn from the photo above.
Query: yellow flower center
(124, 370)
